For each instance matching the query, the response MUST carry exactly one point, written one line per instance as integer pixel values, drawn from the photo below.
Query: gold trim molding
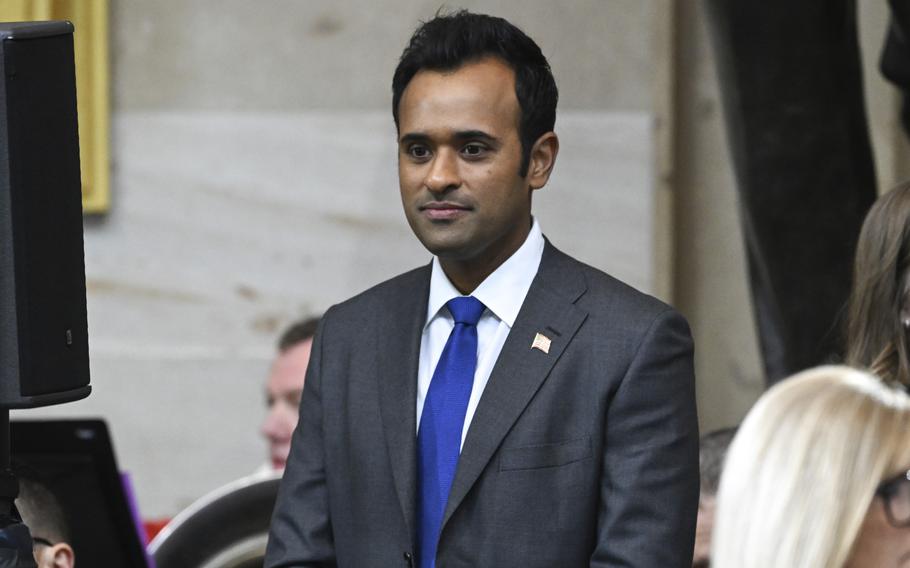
(90, 19)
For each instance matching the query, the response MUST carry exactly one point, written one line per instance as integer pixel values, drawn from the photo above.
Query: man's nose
(271, 426)
(443, 174)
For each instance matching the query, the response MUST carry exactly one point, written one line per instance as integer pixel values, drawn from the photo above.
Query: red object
(153, 527)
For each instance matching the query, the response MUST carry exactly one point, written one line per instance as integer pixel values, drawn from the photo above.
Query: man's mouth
(441, 210)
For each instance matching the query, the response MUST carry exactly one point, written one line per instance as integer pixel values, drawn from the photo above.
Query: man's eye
(418, 152)
(473, 150)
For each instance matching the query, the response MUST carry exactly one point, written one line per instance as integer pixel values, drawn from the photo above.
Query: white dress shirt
(502, 292)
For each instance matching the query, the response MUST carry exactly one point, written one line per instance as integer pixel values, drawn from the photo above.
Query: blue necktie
(439, 435)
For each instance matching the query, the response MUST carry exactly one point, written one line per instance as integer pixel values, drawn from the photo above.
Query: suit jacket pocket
(540, 456)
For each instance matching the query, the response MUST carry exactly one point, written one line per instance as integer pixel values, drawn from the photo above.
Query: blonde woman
(817, 477)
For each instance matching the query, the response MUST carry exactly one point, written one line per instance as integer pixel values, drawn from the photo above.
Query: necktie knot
(465, 309)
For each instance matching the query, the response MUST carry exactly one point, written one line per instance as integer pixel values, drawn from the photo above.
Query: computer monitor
(75, 460)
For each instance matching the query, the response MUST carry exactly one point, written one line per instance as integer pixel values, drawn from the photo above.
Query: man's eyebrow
(475, 135)
(412, 137)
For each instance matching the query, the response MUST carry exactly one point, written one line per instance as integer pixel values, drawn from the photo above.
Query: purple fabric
(130, 495)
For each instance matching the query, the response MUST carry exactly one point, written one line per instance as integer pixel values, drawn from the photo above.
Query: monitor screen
(75, 460)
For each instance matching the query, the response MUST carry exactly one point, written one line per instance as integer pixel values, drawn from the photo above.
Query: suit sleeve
(301, 533)
(650, 484)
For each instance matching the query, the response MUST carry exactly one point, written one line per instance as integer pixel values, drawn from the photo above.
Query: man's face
(459, 155)
(283, 390)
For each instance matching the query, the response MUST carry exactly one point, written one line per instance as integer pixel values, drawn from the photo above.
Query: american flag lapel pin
(541, 342)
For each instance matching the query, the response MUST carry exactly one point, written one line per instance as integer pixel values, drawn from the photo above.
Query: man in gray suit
(505, 405)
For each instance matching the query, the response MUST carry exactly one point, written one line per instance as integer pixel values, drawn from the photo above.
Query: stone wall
(254, 182)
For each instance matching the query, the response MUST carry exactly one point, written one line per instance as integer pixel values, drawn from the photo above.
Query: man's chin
(449, 249)
(443, 239)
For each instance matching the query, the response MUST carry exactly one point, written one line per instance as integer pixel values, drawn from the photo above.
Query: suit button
(409, 558)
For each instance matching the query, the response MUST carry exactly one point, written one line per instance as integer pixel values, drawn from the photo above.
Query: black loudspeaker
(43, 325)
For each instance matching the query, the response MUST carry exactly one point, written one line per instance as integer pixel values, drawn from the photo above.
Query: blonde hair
(803, 469)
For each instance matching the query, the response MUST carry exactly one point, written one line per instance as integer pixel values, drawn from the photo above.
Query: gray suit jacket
(586, 455)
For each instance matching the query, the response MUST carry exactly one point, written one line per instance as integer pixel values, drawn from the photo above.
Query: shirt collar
(502, 292)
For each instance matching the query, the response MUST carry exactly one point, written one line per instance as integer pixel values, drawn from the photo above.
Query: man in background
(711, 454)
(42, 514)
(284, 387)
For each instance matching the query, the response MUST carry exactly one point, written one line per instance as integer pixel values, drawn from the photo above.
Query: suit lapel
(549, 308)
(399, 355)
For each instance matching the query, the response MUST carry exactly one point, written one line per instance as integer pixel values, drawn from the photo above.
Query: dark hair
(876, 336)
(297, 333)
(448, 41)
(41, 510)
(712, 450)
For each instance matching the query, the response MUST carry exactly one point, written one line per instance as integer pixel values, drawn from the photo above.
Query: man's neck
(467, 275)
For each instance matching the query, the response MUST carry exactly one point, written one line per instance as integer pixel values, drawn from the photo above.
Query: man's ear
(543, 158)
(60, 555)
